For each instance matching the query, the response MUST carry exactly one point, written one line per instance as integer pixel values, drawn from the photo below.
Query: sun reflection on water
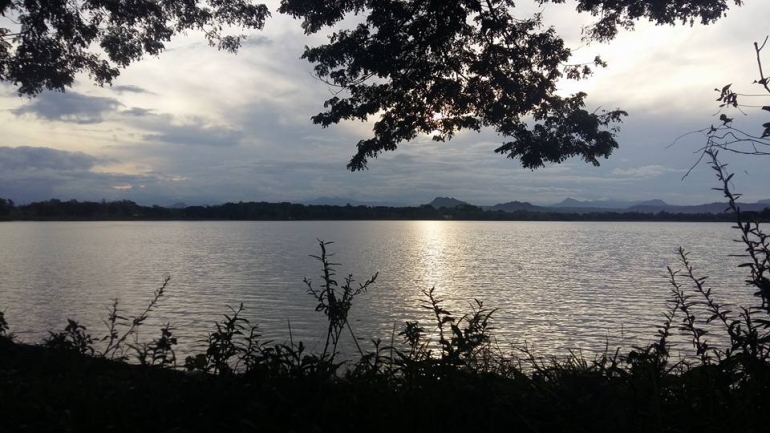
(432, 257)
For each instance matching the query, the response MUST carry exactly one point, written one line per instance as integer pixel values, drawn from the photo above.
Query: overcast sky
(201, 126)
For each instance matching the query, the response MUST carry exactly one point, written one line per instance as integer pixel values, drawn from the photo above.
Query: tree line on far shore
(73, 210)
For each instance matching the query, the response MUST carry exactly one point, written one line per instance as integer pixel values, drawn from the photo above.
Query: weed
(114, 321)
(74, 337)
(335, 301)
(4, 328)
(465, 337)
(158, 352)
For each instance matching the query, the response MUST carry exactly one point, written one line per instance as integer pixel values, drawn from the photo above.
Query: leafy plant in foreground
(335, 300)
(4, 326)
(754, 336)
(748, 330)
(464, 343)
(459, 345)
(224, 344)
(158, 352)
(115, 320)
(74, 337)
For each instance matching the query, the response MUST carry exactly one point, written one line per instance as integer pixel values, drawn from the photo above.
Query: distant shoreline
(57, 210)
(715, 221)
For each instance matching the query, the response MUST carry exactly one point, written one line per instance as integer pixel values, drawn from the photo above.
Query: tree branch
(763, 80)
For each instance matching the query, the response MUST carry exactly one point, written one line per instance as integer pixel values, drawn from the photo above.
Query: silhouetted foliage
(726, 135)
(74, 337)
(159, 351)
(130, 325)
(6, 206)
(436, 68)
(418, 66)
(3, 326)
(223, 345)
(49, 42)
(622, 13)
(335, 300)
(440, 67)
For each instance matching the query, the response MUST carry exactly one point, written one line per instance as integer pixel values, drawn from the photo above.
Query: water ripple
(559, 285)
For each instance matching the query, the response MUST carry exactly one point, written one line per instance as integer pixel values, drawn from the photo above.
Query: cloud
(136, 112)
(646, 172)
(40, 173)
(256, 41)
(195, 134)
(45, 158)
(69, 107)
(129, 88)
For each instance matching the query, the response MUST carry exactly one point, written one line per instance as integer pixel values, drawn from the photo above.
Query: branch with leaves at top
(724, 135)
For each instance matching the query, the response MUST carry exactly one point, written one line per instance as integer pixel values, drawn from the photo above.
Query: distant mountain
(513, 206)
(567, 202)
(342, 201)
(178, 205)
(715, 208)
(568, 205)
(613, 205)
(655, 202)
(447, 202)
(594, 204)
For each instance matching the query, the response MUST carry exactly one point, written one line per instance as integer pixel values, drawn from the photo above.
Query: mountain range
(606, 204)
(571, 205)
(568, 205)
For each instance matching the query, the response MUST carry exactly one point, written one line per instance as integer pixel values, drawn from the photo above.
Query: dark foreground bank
(44, 389)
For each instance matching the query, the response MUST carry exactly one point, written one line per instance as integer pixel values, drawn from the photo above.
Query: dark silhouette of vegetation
(6, 207)
(441, 67)
(44, 44)
(4, 327)
(726, 135)
(74, 337)
(115, 320)
(73, 210)
(418, 66)
(335, 300)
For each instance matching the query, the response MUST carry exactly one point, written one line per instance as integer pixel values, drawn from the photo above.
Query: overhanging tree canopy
(49, 41)
(416, 66)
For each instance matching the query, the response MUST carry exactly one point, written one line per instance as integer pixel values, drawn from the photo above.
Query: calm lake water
(556, 285)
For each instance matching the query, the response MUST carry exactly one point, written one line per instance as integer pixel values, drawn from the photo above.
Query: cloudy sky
(201, 126)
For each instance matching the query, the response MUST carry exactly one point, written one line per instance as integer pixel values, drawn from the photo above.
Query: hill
(514, 206)
(447, 202)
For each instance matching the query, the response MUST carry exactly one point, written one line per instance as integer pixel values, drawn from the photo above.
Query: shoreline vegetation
(124, 210)
(446, 375)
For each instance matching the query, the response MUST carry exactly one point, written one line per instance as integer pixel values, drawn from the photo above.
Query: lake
(555, 285)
